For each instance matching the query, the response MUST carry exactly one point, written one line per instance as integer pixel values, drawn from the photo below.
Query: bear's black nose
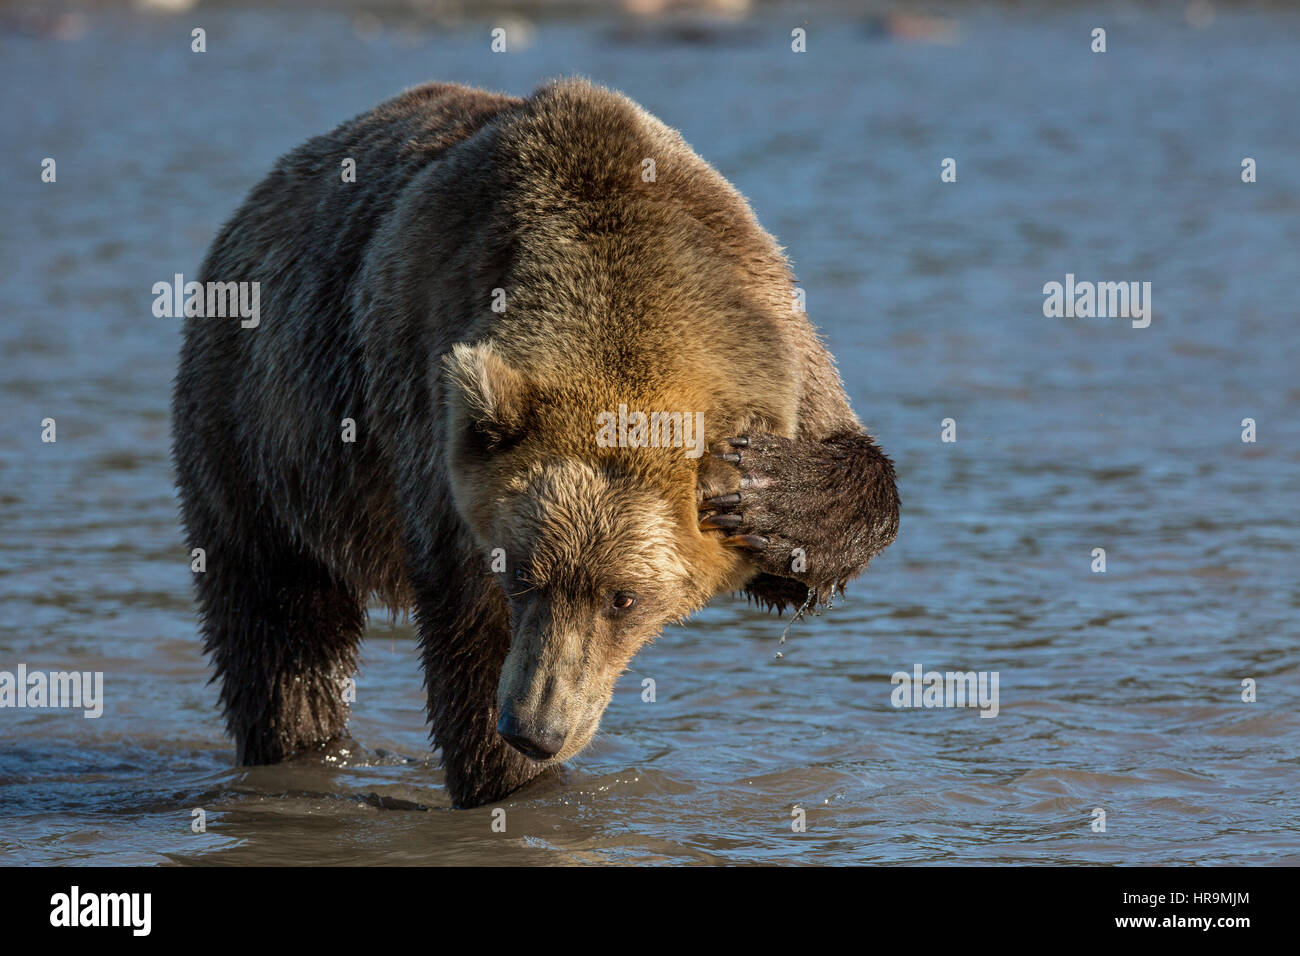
(537, 743)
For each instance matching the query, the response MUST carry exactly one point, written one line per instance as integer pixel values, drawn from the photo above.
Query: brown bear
(503, 276)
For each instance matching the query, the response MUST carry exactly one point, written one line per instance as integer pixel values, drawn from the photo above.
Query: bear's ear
(492, 396)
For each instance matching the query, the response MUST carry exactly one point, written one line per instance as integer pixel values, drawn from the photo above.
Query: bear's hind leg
(283, 635)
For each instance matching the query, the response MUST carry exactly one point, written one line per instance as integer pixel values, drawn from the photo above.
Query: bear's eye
(522, 575)
(622, 601)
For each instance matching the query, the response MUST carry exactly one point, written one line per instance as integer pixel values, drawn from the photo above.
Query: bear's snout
(535, 738)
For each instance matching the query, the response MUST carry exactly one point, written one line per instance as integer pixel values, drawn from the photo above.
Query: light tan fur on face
(582, 532)
(583, 522)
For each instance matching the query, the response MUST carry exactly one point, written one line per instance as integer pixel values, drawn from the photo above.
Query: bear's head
(601, 545)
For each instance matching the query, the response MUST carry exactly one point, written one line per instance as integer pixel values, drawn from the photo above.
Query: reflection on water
(1119, 691)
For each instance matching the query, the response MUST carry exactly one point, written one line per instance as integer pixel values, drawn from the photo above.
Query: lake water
(1119, 691)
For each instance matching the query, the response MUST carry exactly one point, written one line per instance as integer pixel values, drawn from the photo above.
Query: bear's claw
(752, 526)
(721, 521)
(723, 501)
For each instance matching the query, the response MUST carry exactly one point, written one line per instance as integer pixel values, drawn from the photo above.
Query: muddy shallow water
(1119, 690)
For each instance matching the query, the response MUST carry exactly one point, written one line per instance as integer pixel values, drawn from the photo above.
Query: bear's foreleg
(464, 639)
(812, 514)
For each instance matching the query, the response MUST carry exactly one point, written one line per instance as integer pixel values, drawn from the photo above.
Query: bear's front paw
(766, 516)
(815, 511)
